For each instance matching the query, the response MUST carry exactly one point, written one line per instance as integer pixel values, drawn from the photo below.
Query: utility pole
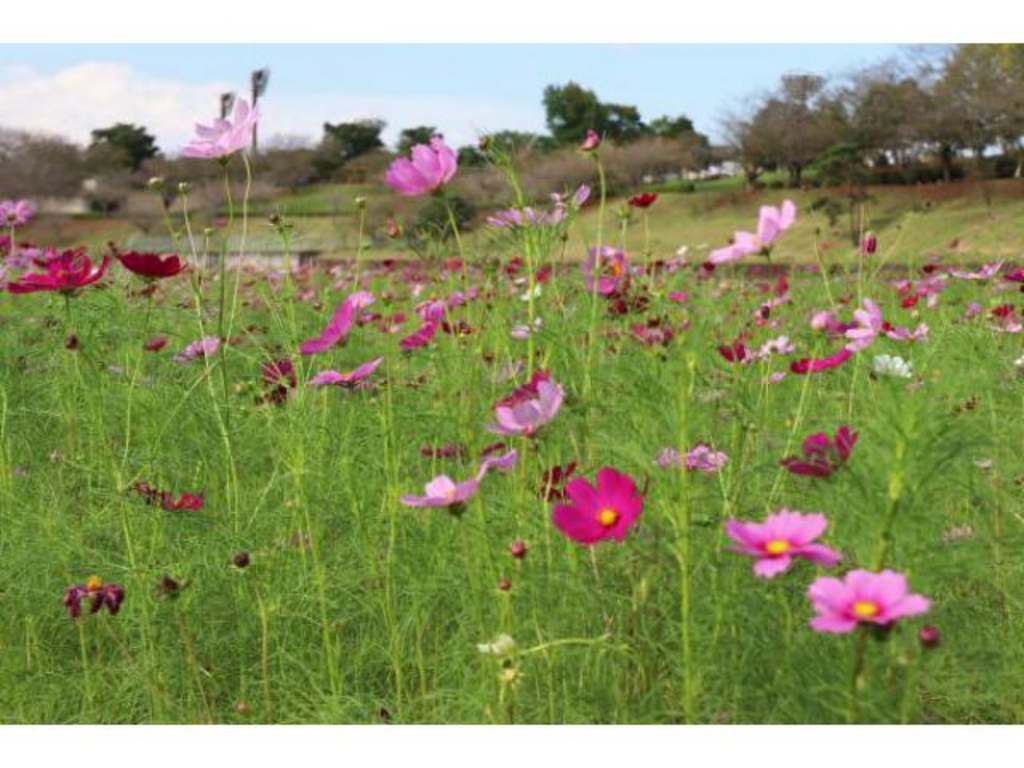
(227, 101)
(260, 78)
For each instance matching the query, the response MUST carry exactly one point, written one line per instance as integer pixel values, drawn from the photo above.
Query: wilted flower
(607, 510)
(553, 480)
(102, 594)
(166, 501)
(502, 646)
(430, 167)
(781, 537)
(823, 456)
(862, 597)
(224, 137)
(771, 223)
(889, 365)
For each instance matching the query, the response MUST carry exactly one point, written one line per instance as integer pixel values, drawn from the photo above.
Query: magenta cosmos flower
(429, 167)
(771, 223)
(818, 364)
(781, 537)
(862, 597)
(823, 456)
(527, 416)
(340, 325)
(606, 511)
(613, 270)
(224, 137)
(65, 273)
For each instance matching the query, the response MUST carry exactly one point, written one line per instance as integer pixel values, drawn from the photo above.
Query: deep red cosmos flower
(552, 482)
(822, 456)
(644, 200)
(65, 273)
(151, 265)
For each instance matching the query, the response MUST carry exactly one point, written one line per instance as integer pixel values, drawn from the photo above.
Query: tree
(409, 137)
(350, 140)
(32, 164)
(136, 144)
(572, 109)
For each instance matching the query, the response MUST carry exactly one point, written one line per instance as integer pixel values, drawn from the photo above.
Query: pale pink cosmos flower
(987, 272)
(224, 137)
(863, 597)
(700, 458)
(869, 325)
(202, 348)
(771, 223)
(612, 266)
(346, 379)
(15, 213)
(781, 537)
(442, 491)
(901, 333)
(429, 167)
(528, 415)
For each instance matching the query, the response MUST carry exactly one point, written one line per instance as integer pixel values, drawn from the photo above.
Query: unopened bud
(518, 549)
(929, 636)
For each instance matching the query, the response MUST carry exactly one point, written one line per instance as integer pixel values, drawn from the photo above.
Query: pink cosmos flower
(702, 458)
(823, 456)
(771, 223)
(340, 325)
(987, 272)
(613, 273)
(430, 167)
(202, 348)
(869, 324)
(224, 137)
(781, 537)
(513, 217)
(591, 142)
(348, 379)
(421, 337)
(529, 415)
(862, 597)
(606, 511)
(900, 333)
(817, 365)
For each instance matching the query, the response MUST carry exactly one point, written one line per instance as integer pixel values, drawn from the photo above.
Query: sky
(465, 90)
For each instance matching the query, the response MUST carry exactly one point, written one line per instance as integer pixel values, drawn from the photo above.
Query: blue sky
(464, 90)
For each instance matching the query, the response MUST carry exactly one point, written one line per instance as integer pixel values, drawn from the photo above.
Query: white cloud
(73, 101)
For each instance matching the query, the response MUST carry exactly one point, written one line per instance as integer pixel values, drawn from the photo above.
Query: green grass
(356, 608)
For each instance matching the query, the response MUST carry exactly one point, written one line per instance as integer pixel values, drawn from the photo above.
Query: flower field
(519, 486)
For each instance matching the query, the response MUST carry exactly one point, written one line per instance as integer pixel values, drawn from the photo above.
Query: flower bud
(592, 142)
(504, 585)
(241, 560)
(929, 636)
(869, 244)
(156, 183)
(361, 203)
(184, 187)
(518, 549)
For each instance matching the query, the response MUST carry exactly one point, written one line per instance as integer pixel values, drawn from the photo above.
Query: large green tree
(572, 109)
(134, 143)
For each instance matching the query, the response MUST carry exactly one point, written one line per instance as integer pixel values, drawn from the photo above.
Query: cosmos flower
(15, 213)
(203, 348)
(340, 325)
(644, 200)
(781, 537)
(429, 167)
(817, 365)
(348, 379)
(151, 265)
(102, 594)
(591, 142)
(614, 269)
(821, 455)
(862, 597)
(892, 366)
(224, 137)
(771, 223)
(66, 273)
(528, 415)
(605, 511)
(869, 324)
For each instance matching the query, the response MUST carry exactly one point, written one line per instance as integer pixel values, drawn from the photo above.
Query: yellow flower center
(93, 583)
(866, 609)
(777, 547)
(608, 517)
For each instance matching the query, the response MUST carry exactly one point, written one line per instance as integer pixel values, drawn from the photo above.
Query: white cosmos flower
(502, 646)
(890, 365)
